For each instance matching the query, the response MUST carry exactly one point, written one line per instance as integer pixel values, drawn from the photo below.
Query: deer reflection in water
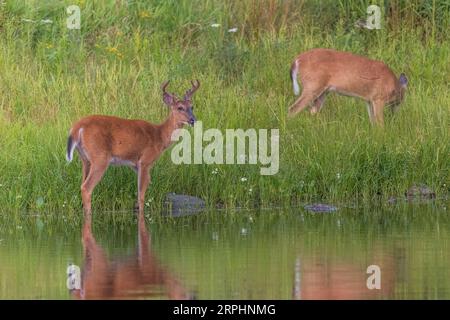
(321, 278)
(140, 276)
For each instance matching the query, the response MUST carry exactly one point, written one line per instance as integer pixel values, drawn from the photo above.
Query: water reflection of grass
(211, 254)
(50, 76)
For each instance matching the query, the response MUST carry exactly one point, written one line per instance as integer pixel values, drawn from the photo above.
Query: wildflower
(233, 30)
(215, 25)
(250, 189)
(215, 171)
(48, 46)
(243, 179)
(244, 232)
(144, 14)
(115, 51)
(112, 49)
(148, 202)
(46, 21)
(338, 175)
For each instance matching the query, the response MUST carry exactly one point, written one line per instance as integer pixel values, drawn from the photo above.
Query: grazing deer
(138, 276)
(104, 140)
(325, 70)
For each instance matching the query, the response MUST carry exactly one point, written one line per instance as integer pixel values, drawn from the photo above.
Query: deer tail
(294, 73)
(72, 142)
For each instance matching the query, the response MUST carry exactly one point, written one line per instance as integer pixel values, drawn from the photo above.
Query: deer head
(399, 94)
(182, 109)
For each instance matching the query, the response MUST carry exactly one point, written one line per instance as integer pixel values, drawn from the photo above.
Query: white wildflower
(233, 30)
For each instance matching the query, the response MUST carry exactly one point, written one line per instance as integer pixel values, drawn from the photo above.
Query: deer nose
(192, 120)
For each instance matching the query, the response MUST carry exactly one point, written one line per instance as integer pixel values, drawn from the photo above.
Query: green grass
(51, 76)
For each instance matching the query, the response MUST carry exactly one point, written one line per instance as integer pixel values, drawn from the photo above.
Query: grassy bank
(50, 76)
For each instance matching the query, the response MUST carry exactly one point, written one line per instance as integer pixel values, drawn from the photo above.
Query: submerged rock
(178, 205)
(320, 207)
(420, 191)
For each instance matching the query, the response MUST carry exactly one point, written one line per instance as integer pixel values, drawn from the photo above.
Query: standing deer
(104, 140)
(325, 70)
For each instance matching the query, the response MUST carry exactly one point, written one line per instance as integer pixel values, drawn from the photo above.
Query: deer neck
(167, 128)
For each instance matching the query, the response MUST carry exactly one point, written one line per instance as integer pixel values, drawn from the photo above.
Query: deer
(326, 70)
(102, 140)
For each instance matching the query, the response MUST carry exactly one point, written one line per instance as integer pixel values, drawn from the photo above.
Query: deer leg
(301, 103)
(318, 103)
(309, 94)
(143, 181)
(370, 112)
(86, 165)
(378, 108)
(136, 204)
(95, 175)
(144, 243)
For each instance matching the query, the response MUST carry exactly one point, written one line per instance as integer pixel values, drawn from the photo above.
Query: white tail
(71, 144)
(294, 70)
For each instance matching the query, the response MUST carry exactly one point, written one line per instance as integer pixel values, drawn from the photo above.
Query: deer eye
(180, 108)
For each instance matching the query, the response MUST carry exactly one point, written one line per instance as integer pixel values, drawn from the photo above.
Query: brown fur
(139, 276)
(104, 140)
(325, 70)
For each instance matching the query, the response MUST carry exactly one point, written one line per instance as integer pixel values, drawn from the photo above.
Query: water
(270, 254)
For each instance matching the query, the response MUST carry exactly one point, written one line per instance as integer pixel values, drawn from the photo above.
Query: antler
(168, 98)
(164, 86)
(190, 92)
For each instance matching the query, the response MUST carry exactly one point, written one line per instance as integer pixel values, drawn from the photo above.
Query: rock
(320, 207)
(420, 191)
(178, 205)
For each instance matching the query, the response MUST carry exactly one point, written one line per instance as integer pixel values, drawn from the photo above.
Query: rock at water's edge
(320, 207)
(177, 205)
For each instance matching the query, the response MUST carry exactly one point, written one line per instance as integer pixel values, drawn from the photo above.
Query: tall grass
(50, 76)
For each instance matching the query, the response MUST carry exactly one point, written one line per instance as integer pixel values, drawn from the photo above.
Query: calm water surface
(243, 255)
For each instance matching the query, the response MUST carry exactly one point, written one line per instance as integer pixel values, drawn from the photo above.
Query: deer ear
(403, 80)
(168, 99)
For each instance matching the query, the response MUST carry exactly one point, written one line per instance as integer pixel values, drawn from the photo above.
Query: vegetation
(50, 76)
